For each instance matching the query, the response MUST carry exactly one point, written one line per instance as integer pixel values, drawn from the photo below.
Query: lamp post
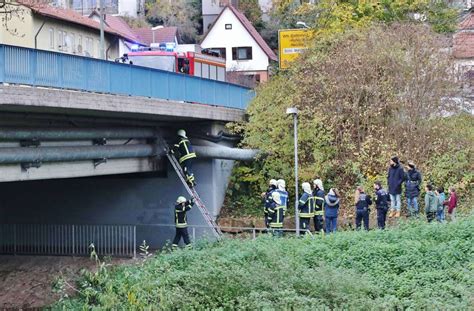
(302, 24)
(294, 111)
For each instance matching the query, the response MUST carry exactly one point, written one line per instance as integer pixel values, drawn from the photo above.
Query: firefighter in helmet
(181, 208)
(306, 207)
(186, 155)
(267, 198)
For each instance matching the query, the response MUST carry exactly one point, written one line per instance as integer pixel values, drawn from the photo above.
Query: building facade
(131, 8)
(247, 55)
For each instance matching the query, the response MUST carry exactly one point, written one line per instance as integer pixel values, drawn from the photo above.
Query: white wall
(238, 36)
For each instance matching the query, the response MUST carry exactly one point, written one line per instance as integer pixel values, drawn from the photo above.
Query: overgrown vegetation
(417, 266)
(363, 96)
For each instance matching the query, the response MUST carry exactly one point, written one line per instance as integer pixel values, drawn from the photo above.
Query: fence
(58, 70)
(39, 239)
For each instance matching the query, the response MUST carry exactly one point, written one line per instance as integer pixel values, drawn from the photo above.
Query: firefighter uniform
(306, 206)
(276, 214)
(318, 210)
(267, 197)
(186, 156)
(182, 206)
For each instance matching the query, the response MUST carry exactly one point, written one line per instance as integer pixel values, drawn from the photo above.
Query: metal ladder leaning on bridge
(216, 230)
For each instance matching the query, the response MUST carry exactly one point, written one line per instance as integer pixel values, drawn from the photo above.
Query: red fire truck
(199, 65)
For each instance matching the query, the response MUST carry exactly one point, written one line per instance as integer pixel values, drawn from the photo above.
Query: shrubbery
(417, 266)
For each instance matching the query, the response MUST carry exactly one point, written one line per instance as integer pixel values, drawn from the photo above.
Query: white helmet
(276, 197)
(273, 182)
(181, 199)
(306, 187)
(281, 184)
(182, 133)
(319, 183)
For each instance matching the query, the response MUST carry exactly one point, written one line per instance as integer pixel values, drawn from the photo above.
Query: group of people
(323, 208)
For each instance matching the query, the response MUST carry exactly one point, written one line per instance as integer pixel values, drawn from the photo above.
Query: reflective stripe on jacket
(180, 218)
(306, 206)
(185, 150)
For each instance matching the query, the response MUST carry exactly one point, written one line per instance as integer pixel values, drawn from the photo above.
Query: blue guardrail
(20, 65)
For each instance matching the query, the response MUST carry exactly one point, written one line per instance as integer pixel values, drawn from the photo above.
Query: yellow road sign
(291, 43)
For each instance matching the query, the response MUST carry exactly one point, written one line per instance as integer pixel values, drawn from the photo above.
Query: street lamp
(294, 111)
(302, 24)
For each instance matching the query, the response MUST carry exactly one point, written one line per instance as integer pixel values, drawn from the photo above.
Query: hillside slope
(419, 266)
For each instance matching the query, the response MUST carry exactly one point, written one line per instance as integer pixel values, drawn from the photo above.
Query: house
(246, 53)
(128, 39)
(45, 27)
(463, 52)
(212, 8)
(157, 35)
(131, 8)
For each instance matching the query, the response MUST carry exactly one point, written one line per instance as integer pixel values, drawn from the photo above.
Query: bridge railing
(20, 65)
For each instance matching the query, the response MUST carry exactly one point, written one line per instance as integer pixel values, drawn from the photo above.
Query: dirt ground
(26, 281)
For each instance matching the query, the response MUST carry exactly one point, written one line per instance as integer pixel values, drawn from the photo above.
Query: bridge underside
(77, 184)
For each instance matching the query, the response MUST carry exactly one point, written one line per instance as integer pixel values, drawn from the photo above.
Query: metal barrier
(39, 239)
(58, 70)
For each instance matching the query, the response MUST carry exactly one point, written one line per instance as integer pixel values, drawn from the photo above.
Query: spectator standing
(362, 203)
(331, 210)
(395, 179)
(452, 202)
(431, 203)
(412, 189)
(441, 199)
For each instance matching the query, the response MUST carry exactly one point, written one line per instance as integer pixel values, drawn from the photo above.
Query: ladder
(216, 230)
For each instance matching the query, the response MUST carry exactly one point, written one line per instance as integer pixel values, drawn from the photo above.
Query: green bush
(417, 266)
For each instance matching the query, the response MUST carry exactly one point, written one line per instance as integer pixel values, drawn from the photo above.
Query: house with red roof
(247, 55)
(41, 26)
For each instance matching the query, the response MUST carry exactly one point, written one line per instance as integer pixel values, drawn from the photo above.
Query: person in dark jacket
(395, 179)
(412, 189)
(382, 200)
(431, 203)
(331, 209)
(186, 156)
(267, 198)
(181, 208)
(306, 207)
(276, 213)
(362, 203)
(318, 194)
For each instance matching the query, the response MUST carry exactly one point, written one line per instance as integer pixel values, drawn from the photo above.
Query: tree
(179, 13)
(363, 96)
(253, 12)
(11, 10)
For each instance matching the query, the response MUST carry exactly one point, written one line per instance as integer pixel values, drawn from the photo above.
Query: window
(51, 38)
(228, 26)
(73, 43)
(89, 50)
(242, 53)
(64, 42)
(60, 40)
(80, 48)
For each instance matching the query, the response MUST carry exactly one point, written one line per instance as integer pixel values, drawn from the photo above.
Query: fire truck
(195, 64)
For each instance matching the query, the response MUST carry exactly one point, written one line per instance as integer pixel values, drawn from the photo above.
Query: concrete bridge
(78, 145)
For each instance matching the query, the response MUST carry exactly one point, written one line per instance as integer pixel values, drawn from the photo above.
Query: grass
(416, 266)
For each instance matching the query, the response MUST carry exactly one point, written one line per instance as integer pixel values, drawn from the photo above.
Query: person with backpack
(431, 203)
(412, 189)
(331, 210)
(362, 203)
(395, 179)
(440, 217)
(382, 199)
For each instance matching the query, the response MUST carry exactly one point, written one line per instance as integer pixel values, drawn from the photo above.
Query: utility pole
(102, 39)
(294, 113)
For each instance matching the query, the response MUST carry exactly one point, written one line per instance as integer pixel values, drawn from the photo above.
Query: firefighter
(276, 214)
(318, 194)
(267, 197)
(186, 156)
(281, 188)
(180, 219)
(306, 207)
